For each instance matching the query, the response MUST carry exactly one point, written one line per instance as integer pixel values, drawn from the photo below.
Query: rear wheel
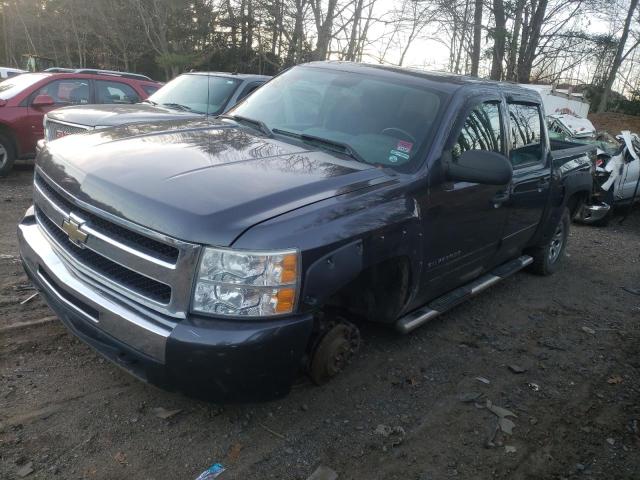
(546, 258)
(7, 155)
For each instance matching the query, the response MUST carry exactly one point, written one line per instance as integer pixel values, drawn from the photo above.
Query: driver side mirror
(43, 101)
(480, 166)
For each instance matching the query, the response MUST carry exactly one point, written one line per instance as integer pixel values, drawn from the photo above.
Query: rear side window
(150, 89)
(115, 92)
(526, 134)
(67, 92)
(248, 90)
(481, 130)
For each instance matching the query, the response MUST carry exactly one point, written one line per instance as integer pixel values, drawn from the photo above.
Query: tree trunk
(355, 28)
(499, 40)
(324, 27)
(525, 62)
(513, 47)
(477, 38)
(618, 58)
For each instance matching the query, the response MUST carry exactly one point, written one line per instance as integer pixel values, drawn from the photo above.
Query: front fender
(341, 237)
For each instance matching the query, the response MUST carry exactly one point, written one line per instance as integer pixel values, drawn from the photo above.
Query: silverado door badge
(71, 227)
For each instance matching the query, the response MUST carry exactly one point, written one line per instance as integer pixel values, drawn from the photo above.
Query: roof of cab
(240, 76)
(452, 80)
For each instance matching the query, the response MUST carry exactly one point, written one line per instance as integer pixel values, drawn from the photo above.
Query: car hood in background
(112, 115)
(204, 181)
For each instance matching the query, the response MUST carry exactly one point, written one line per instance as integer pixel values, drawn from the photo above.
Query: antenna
(208, 84)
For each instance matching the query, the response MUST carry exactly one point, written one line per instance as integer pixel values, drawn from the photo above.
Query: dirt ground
(615, 122)
(408, 408)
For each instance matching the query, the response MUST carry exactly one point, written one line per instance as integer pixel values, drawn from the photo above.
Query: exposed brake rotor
(334, 351)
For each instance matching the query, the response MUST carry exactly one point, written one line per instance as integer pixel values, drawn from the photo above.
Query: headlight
(252, 284)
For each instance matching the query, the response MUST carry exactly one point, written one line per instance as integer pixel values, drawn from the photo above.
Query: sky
(434, 55)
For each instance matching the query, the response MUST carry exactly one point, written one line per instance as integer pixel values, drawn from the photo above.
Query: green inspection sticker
(394, 154)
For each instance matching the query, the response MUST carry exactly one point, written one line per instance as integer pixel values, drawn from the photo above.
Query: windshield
(379, 121)
(12, 86)
(190, 92)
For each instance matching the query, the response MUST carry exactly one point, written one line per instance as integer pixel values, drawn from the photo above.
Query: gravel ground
(560, 353)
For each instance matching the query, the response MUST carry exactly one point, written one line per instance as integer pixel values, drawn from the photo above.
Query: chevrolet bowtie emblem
(71, 227)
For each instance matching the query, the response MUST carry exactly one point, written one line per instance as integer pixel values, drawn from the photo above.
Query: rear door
(529, 156)
(113, 92)
(465, 221)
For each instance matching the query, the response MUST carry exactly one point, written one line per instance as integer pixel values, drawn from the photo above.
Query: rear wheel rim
(4, 155)
(557, 242)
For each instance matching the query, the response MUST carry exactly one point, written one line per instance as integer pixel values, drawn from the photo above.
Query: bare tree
(619, 57)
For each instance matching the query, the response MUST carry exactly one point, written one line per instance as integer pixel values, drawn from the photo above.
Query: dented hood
(202, 181)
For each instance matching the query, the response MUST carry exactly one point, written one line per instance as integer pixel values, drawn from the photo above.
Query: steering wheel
(400, 131)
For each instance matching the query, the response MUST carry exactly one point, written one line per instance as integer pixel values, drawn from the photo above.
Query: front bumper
(216, 359)
(593, 213)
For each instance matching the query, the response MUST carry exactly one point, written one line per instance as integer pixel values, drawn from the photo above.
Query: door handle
(542, 184)
(500, 198)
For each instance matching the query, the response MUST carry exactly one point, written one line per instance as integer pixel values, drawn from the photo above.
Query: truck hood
(112, 115)
(204, 181)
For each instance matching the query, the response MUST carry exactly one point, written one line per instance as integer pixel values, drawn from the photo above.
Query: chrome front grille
(165, 252)
(118, 256)
(55, 130)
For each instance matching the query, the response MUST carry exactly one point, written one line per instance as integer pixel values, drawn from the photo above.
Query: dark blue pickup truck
(222, 257)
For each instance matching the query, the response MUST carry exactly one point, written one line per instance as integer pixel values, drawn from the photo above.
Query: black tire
(7, 155)
(547, 258)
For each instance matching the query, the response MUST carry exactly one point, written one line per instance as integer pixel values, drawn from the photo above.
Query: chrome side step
(418, 317)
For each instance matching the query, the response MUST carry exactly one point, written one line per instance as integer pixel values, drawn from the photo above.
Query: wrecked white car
(616, 165)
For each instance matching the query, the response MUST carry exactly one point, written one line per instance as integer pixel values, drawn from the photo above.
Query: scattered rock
(614, 380)
(25, 470)
(589, 330)
(634, 291)
(484, 380)
(536, 317)
(121, 458)
(533, 386)
(304, 407)
(165, 414)
(517, 368)
(504, 423)
(510, 449)
(611, 441)
(234, 452)
(469, 397)
(323, 473)
(395, 434)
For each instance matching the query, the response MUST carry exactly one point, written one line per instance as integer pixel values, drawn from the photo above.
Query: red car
(26, 98)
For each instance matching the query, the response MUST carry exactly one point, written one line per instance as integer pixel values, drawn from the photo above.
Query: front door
(464, 221)
(72, 91)
(530, 158)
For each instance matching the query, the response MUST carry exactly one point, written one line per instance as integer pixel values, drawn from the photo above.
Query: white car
(6, 72)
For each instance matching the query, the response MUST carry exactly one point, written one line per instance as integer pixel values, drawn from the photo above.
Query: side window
(115, 92)
(150, 89)
(526, 134)
(67, 92)
(248, 90)
(481, 130)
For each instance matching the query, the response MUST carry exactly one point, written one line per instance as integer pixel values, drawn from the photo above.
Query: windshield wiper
(332, 145)
(179, 106)
(150, 101)
(258, 124)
